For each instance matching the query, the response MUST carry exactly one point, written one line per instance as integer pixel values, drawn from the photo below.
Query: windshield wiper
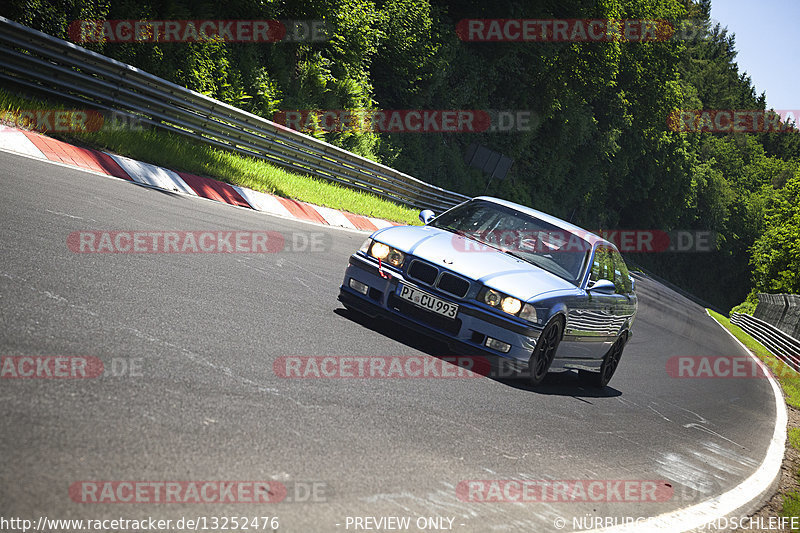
(531, 260)
(518, 256)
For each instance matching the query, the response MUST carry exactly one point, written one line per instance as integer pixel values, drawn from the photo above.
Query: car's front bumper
(469, 329)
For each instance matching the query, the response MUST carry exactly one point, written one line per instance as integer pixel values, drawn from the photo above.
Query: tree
(776, 253)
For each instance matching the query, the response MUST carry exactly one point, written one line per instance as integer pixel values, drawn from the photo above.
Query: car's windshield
(524, 236)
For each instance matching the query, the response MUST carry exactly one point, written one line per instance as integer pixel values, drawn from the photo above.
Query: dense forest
(597, 150)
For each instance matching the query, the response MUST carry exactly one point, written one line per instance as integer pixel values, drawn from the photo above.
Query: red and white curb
(42, 147)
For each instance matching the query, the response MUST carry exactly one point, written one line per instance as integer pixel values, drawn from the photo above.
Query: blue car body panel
(593, 321)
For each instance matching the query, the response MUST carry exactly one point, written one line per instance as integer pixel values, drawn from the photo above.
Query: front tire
(545, 351)
(607, 368)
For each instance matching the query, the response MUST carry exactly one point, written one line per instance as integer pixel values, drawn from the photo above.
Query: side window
(622, 278)
(603, 265)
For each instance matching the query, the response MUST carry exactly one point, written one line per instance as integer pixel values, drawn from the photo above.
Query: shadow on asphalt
(555, 383)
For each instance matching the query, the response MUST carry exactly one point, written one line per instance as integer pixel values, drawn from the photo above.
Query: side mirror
(426, 215)
(602, 286)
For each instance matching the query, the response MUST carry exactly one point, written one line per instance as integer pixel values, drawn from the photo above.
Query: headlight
(365, 247)
(492, 298)
(379, 250)
(387, 253)
(395, 257)
(508, 304)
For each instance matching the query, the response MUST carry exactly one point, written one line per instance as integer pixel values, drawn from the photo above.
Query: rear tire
(545, 351)
(607, 368)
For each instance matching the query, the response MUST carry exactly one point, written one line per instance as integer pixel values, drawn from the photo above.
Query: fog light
(358, 286)
(495, 344)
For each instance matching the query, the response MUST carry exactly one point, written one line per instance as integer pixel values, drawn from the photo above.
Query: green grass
(791, 505)
(791, 391)
(791, 501)
(179, 153)
(794, 438)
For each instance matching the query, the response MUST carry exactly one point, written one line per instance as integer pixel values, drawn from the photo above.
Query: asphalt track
(203, 331)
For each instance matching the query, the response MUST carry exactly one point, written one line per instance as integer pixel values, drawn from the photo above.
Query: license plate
(427, 301)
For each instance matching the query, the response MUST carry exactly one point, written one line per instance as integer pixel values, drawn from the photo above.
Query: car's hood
(488, 265)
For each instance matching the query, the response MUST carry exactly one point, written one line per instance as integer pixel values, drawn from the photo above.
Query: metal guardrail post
(791, 319)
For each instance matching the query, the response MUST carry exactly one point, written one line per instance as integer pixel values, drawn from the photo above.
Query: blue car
(496, 277)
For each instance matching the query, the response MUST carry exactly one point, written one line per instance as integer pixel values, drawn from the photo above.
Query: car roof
(550, 219)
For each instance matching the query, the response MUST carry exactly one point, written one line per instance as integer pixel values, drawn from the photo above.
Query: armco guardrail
(35, 60)
(780, 310)
(783, 346)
